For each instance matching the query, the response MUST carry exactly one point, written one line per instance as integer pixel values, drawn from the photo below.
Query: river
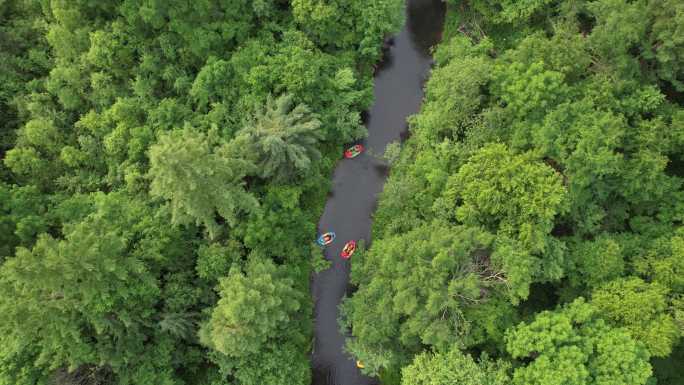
(398, 89)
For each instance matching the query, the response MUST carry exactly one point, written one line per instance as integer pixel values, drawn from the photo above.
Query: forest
(164, 164)
(530, 232)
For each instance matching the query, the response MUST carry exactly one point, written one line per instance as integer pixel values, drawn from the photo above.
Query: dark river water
(357, 182)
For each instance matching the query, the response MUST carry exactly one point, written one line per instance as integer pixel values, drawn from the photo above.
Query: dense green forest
(531, 232)
(165, 162)
(164, 165)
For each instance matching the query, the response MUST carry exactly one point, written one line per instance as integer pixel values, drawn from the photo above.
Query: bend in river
(357, 182)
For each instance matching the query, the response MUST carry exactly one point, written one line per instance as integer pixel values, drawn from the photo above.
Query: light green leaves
(505, 191)
(571, 346)
(452, 368)
(283, 138)
(641, 308)
(596, 262)
(349, 23)
(199, 180)
(517, 197)
(255, 308)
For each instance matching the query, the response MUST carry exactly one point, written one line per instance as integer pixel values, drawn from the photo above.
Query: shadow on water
(357, 182)
(421, 24)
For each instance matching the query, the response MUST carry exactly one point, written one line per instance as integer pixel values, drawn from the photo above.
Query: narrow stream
(357, 182)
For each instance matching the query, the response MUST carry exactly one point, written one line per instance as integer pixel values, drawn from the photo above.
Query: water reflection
(424, 23)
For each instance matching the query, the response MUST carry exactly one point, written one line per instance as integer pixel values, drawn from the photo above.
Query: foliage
(572, 346)
(596, 262)
(641, 308)
(199, 181)
(454, 367)
(149, 149)
(252, 308)
(283, 138)
(391, 154)
(517, 197)
(22, 217)
(23, 59)
(73, 301)
(508, 11)
(429, 279)
(215, 260)
(252, 328)
(554, 127)
(362, 25)
(667, 41)
(319, 262)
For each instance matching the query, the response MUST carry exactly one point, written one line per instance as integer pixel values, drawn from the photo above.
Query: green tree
(667, 41)
(90, 298)
(282, 208)
(36, 156)
(254, 309)
(641, 308)
(517, 197)
(414, 289)
(215, 260)
(573, 346)
(661, 258)
(515, 194)
(283, 138)
(199, 180)
(349, 24)
(22, 217)
(453, 95)
(454, 367)
(280, 363)
(508, 11)
(620, 26)
(23, 59)
(596, 262)
(529, 90)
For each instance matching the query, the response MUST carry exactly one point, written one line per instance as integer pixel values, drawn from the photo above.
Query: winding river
(357, 182)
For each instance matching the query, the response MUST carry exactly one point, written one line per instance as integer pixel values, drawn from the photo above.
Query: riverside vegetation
(164, 164)
(531, 231)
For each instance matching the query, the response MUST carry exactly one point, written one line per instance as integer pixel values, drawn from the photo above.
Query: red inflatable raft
(353, 151)
(348, 250)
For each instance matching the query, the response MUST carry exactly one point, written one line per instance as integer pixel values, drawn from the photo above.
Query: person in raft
(348, 249)
(326, 238)
(353, 151)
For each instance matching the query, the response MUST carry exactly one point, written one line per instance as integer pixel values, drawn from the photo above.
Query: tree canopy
(571, 346)
(453, 367)
(163, 165)
(148, 151)
(551, 132)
